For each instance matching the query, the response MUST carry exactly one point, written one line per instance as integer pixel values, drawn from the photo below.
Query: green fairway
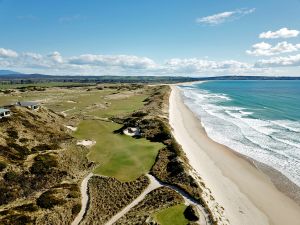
(119, 156)
(171, 216)
(121, 106)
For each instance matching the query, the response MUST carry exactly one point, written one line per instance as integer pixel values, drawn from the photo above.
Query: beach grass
(118, 156)
(171, 216)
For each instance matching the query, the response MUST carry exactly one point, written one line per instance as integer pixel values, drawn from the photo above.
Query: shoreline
(281, 181)
(246, 193)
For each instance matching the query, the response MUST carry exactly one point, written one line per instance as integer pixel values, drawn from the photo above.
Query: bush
(11, 176)
(8, 193)
(43, 163)
(76, 209)
(43, 147)
(17, 220)
(3, 165)
(22, 150)
(27, 207)
(23, 140)
(139, 114)
(48, 200)
(175, 167)
(73, 194)
(12, 134)
(190, 213)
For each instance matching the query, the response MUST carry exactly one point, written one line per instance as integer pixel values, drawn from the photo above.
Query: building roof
(4, 110)
(27, 103)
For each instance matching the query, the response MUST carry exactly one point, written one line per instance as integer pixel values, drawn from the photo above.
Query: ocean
(259, 119)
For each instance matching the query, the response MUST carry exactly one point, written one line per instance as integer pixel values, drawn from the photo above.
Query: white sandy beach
(247, 194)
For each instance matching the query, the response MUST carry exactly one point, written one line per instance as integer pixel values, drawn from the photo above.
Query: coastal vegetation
(38, 155)
(41, 148)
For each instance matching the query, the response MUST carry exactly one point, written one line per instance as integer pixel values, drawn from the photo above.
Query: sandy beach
(246, 193)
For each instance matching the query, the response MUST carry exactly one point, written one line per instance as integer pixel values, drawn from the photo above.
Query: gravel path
(84, 199)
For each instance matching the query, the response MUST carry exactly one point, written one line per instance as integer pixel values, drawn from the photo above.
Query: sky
(151, 37)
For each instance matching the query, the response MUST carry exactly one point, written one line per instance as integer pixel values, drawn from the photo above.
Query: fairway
(119, 156)
(171, 216)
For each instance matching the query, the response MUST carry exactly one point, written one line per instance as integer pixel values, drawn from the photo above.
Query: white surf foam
(275, 143)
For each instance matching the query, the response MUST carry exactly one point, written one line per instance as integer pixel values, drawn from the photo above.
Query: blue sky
(152, 37)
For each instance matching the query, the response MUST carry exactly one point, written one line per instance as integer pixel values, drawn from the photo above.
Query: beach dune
(246, 193)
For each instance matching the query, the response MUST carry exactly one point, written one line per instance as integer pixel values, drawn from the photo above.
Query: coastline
(246, 193)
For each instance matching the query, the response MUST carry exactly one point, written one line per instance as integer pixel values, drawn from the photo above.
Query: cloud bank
(97, 64)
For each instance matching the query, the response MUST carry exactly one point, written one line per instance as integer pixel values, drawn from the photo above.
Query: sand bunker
(71, 128)
(87, 143)
(132, 131)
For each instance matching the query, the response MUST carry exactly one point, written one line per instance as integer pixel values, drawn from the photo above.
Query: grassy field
(171, 216)
(119, 156)
(43, 84)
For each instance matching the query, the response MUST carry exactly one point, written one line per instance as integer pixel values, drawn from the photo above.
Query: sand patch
(86, 143)
(132, 131)
(71, 128)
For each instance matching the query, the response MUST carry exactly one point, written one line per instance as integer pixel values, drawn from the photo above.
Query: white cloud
(281, 33)
(56, 57)
(127, 61)
(91, 64)
(288, 61)
(7, 53)
(266, 49)
(224, 16)
(202, 66)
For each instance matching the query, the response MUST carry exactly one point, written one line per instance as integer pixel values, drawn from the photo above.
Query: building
(4, 113)
(29, 105)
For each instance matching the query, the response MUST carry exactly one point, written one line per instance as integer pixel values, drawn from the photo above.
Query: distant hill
(8, 72)
(15, 77)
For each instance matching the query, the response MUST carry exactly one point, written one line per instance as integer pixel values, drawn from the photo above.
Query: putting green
(171, 216)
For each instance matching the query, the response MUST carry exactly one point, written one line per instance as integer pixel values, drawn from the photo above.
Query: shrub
(11, 176)
(22, 150)
(3, 165)
(8, 193)
(12, 134)
(175, 167)
(73, 194)
(23, 140)
(27, 207)
(43, 163)
(43, 147)
(190, 213)
(76, 209)
(17, 220)
(48, 200)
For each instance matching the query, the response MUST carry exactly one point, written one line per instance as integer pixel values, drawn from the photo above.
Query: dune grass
(119, 156)
(171, 216)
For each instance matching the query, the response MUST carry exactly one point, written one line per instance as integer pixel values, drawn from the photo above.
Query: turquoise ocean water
(259, 119)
